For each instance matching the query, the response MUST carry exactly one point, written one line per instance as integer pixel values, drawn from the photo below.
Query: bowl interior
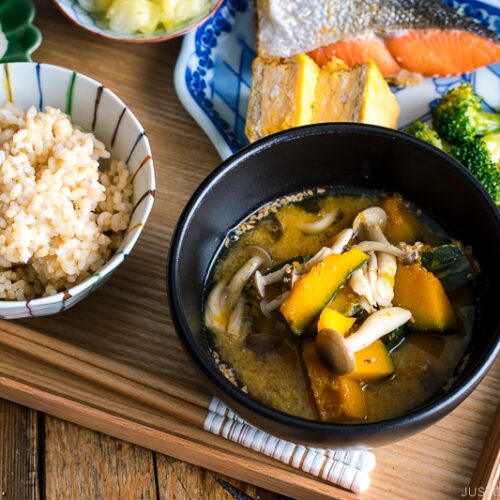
(94, 23)
(336, 155)
(96, 109)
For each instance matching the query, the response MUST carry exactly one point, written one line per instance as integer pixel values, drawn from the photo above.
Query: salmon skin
(414, 35)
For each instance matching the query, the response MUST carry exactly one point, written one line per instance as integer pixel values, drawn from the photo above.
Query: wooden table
(42, 456)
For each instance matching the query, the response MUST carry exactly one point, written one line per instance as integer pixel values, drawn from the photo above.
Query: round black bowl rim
(451, 399)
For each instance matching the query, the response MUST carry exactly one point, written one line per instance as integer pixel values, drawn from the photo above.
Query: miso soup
(340, 308)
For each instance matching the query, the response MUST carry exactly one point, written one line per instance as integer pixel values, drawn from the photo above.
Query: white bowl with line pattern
(98, 110)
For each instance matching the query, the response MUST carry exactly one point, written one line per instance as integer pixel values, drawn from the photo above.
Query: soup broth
(267, 358)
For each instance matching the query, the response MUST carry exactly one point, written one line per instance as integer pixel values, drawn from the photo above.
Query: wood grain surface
(485, 478)
(19, 452)
(44, 457)
(84, 464)
(127, 320)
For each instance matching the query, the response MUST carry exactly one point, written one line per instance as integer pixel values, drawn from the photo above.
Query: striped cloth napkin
(349, 469)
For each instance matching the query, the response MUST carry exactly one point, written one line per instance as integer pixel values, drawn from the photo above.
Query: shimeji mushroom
(268, 306)
(215, 312)
(360, 285)
(317, 257)
(259, 256)
(261, 281)
(321, 224)
(412, 252)
(363, 281)
(337, 352)
(239, 323)
(338, 247)
(372, 269)
(223, 298)
(343, 238)
(376, 246)
(405, 252)
(372, 221)
(293, 273)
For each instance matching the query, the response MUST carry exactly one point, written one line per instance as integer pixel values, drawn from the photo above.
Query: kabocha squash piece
(330, 318)
(315, 290)
(351, 398)
(449, 264)
(372, 363)
(346, 302)
(401, 225)
(336, 398)
(419, 291)
(328, 407)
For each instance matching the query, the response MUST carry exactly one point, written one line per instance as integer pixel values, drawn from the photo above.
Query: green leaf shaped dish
(16, 17)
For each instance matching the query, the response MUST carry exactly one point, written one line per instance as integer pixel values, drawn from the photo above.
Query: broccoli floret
(458, 116)
(481, 155)
(422, 131)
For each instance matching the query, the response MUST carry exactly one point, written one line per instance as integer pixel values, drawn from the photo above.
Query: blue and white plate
(213, 73)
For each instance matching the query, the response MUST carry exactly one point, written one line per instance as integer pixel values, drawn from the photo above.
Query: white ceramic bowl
(96, 109)
(89, 22)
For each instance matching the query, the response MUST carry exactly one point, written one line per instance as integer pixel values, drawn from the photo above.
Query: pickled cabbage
(131, 16)
(97, 6)
(145, 16)
(178, 11)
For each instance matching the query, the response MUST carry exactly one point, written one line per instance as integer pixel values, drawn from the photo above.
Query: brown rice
(61, 216)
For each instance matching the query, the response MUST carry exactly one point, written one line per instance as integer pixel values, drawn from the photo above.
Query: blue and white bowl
(98, 110)
(73, 11)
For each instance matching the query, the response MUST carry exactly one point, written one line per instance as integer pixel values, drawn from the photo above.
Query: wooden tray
(128, 320)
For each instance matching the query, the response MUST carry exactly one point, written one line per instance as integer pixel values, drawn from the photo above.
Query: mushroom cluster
(227, 311)
(225, 307)
(374, 282)
(321, 224)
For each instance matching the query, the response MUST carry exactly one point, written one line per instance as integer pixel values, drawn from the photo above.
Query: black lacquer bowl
(354, 156)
